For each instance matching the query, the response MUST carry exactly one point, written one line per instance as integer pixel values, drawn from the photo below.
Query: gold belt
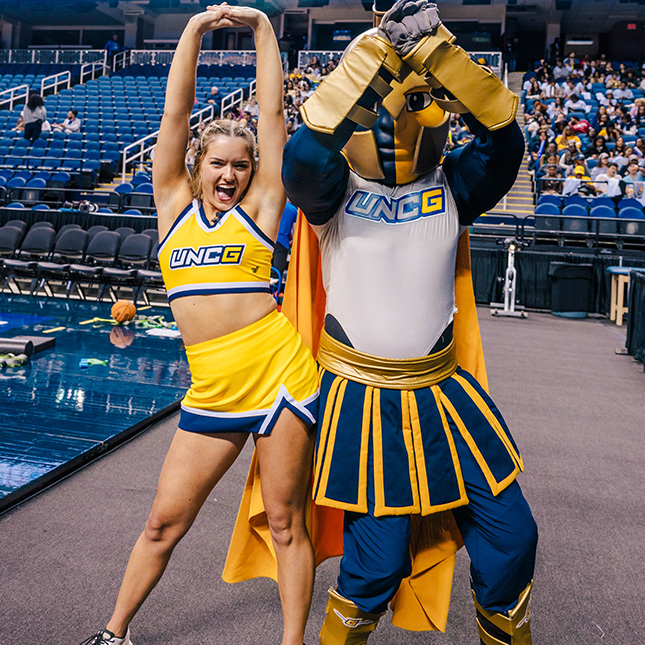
(388, 373)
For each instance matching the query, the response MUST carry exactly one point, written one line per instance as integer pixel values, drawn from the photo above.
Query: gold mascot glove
(417, 35)
(345, 623)
(336, 99)
(510, 628)
(475, 87)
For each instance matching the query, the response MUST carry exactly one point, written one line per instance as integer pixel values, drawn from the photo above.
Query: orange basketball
(123, 311)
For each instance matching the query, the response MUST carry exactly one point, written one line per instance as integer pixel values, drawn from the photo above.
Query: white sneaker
(106, 637)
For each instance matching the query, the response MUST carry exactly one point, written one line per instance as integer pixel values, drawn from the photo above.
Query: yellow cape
(422, 600)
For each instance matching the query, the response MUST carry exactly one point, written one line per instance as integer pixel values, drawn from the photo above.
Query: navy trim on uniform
(206, 292)
(175, 224)
(191, 422)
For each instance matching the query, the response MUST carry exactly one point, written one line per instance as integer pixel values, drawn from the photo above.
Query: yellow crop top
(200, 258)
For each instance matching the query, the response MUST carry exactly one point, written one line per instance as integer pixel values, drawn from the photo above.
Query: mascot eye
(418, 101)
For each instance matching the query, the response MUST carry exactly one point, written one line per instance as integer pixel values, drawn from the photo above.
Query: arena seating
(92, 262)
(114, 110)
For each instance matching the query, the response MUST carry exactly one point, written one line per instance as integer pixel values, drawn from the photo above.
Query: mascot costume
(413, 459)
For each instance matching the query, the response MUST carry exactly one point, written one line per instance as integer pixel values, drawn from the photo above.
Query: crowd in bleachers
(585, 132)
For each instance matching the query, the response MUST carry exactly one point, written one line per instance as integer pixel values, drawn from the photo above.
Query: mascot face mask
(407, 139)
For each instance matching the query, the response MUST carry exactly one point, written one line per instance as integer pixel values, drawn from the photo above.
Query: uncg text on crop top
(198, 257)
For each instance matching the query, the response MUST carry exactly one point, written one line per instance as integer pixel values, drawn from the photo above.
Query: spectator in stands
(568, 134)
(191, 154)
(619, 150)
(579, 161)
(246, 360)
(612, 81)
(536, 149)
(568, 89)
(574, 102)
(252, 108)
(606, 98)
(634, 180)
(557, 110)
(305, 88)
(213, 98)
(639, 114)
(551, 151)
(560, 71)
(633, 172)
(601, 111)
(601, 167)
(626, 125)
(71, 124)
(601, 121)
(578, 184)
(550, 90)
(610, 132)
(609, 182)
(580, 126)
(289, 88)
(630, 78)
(33, 116)
(533, 91)
(551, 182)
(639, 147)
(623, 92)
(112, 47)
(568, 158)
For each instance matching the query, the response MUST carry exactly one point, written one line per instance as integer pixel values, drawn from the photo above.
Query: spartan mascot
(408, 431)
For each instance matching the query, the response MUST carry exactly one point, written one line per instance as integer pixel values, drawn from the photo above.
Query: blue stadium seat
(628, 202)
(575, 199)
(575, 210)
(603, 201)
(631, 213)
(547, 209)
(602, 211)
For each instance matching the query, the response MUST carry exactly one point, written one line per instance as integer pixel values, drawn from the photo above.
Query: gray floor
(577, 411)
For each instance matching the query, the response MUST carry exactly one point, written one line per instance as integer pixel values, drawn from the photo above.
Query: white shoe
(106, 637)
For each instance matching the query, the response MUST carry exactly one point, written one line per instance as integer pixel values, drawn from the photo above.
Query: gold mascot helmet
(408, 138)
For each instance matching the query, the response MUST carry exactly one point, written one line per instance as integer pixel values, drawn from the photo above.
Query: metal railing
(493, 59)
(206, 57)
(91, 69)
(146, 144)
(231, 100)
(55, 81)
(14, 94)
(121, 60)
(49, 56)
(592, 188)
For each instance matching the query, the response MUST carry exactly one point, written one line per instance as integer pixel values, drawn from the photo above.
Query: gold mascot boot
(345, 623)
(508, 628)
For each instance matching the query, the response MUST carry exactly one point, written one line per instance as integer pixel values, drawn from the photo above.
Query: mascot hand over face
(410, 446)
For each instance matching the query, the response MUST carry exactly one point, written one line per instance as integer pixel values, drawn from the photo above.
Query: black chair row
(76, 258)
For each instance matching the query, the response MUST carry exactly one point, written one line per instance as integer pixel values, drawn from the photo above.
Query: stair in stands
(520, 199)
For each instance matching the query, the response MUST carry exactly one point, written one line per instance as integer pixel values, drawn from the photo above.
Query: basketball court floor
(575, 407)
(91, 385)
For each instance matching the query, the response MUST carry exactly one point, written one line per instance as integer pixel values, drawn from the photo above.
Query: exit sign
(631, 26)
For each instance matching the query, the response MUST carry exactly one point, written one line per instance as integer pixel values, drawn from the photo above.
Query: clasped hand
(224, 15)
(407, 22)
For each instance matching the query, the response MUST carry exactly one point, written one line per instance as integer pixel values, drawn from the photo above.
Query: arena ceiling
(580, 16)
